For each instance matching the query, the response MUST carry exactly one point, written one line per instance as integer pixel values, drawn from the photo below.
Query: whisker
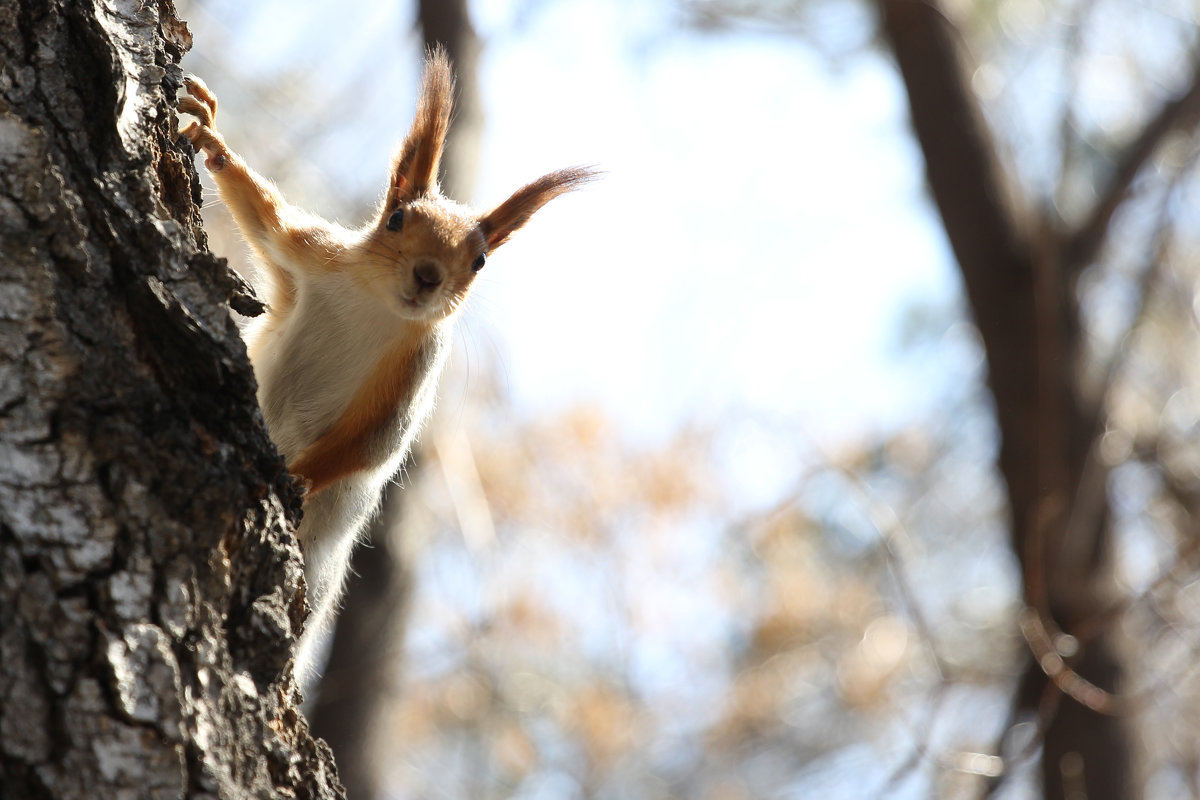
(381, 253)
(378, 249)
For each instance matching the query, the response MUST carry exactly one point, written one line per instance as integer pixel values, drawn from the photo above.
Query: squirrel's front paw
(202, 104)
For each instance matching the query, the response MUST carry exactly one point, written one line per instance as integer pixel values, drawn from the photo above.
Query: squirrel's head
(430, 248)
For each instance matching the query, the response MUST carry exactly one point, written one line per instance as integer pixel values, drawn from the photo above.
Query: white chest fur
(310, 365)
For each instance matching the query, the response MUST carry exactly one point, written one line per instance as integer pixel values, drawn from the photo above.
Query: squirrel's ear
(499, 223)
(415, 165)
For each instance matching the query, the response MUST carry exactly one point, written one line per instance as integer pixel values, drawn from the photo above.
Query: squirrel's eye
(396, 220)
(478, 263)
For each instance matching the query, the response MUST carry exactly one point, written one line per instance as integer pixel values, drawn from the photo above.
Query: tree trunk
(1020, 286)
(149, 578)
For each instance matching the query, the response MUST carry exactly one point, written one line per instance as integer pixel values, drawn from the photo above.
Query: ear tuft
(504, 219)
(415, 166)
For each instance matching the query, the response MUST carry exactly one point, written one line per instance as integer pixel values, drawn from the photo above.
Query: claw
(190, 105)
(202, 102)
(199, 88)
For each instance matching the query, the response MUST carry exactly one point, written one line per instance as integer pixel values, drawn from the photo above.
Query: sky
(753, 247)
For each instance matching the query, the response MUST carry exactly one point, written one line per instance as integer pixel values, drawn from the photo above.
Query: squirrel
(348, 353)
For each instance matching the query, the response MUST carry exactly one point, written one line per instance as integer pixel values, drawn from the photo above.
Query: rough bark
(149, 579)
(1018, 278)
(362, 677)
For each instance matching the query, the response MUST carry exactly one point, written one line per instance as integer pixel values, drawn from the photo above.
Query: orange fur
(504, 219)
(292, 244)
(415, 167)
(343, 449)
(357, 322)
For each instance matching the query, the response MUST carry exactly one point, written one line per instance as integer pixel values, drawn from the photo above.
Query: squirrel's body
(348, 354)
(313, 364)
(338, 357)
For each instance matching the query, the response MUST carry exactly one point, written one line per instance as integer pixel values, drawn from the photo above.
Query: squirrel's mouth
(409, 299)
(416, 308)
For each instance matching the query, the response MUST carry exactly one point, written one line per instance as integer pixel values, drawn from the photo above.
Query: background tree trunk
(148, 574)
(1019, 270)
(361, 679)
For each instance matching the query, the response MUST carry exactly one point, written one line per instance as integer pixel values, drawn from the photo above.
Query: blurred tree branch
(1181, 113)
(1020, 278)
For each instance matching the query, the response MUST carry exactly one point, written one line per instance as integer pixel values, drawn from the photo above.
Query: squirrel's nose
(427, 275)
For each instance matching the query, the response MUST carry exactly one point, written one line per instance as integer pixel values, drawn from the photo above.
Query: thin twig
(1183, 111)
